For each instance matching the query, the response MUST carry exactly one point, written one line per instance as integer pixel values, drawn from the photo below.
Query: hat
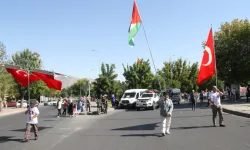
(215, 87)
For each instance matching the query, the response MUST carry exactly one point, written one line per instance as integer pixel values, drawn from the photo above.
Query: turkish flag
(207, 68)
(21, 76)
(138, 61)
(48, 79)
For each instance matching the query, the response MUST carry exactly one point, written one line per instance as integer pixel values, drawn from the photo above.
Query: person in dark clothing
(70, 108)
(248, 92)
(192, 98)
(201, 98)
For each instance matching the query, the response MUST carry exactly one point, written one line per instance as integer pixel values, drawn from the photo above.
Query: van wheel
(138, 108)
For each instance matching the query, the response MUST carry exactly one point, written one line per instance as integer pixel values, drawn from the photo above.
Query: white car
(148, 100)
(25, 104)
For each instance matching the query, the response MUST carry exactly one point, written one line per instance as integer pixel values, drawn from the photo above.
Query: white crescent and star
(209, 56)
(19, 74)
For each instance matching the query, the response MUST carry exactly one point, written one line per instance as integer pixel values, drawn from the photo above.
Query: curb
(237, 113)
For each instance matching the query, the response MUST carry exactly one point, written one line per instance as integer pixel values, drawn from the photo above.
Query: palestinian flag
(59, 74)
(135, 25)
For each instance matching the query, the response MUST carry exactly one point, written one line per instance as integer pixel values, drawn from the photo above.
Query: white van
(130, 97)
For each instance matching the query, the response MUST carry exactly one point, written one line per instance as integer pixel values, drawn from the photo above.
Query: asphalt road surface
(127, 130)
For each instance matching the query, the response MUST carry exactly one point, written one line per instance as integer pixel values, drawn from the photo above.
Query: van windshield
(129, 95)
(147, 95)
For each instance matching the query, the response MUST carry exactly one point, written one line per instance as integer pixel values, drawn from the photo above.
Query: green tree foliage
(184, 75)
(7, 84)
(106, 83)
(139, 76)
(232, 47)
(27, 60)
(80, 87)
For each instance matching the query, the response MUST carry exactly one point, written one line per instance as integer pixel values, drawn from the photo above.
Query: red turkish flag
(207, 68)
(48, 79)
(138, 61)
(21, 76)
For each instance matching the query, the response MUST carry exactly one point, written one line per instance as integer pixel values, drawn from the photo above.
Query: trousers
(27, 133)
(165, 124)
(216, 109)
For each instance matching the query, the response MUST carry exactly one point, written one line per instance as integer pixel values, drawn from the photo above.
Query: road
(128, 130)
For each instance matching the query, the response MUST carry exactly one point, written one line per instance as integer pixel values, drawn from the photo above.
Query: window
(129, 95)
(147, 95)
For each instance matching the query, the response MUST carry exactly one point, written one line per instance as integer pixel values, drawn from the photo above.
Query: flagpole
(151, 54)
(214, 59)
(28, 86)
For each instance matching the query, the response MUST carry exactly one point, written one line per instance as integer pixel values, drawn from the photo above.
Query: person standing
(65, 105)
(88, 105)
(248, 92)
(79, 106)
(166, 107)
(113, 100)
(59, 108)
(216, 106)
(201, 98)
(32, 120)
(193, 100)
(70, 108)
(209, 98)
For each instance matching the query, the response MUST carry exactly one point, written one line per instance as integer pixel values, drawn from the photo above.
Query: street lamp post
(171, 72)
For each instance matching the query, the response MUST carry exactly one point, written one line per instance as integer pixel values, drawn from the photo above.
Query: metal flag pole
(149, 49)
(214, 58)
(151, 55)
(28, 86)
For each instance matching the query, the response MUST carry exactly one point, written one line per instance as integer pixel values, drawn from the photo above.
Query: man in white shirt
(216, 105)
(32, 114)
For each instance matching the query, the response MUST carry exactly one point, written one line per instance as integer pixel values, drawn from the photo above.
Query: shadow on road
(151, 126)
(142, 135)
(23, 129)
(4, 139)
(192, 127)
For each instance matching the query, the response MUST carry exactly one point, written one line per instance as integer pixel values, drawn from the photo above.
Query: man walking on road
(166, 108)
(193, 100)
(32, 120)
(216, 106)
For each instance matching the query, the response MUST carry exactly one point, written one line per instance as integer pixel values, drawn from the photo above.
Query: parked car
(25, 104)
(174, 94)
(130, 97)
(10, 104)
(48, 103)
(148, 100)
(54, 102)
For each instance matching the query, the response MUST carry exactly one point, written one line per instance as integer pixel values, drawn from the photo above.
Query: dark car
(174, 94)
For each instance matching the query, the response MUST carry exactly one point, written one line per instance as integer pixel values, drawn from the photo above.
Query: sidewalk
(11, 110)
(239, 108)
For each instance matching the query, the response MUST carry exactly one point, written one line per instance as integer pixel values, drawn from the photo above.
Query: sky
(65, 33)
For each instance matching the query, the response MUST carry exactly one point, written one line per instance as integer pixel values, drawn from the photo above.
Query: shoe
(222, 125)
(214, 125)
(58, 116)
(168, 133)
(163, 134)
(36, 138)
(25, 140)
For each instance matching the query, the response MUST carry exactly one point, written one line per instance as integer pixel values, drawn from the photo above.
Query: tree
(26, 59)
(184, 75)
(210, 83)
(232, 47)
(106, 83)
(139, 75)
(80, 87)
(7, 84)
